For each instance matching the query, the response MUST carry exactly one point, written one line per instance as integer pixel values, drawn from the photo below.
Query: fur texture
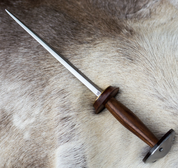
(46, 114)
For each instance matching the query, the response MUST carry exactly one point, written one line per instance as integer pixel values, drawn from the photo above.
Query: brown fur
(46, 115)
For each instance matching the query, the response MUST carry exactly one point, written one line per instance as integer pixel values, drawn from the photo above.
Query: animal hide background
(46, 115)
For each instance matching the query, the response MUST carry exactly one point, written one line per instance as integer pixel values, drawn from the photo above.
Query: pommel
(161, 148)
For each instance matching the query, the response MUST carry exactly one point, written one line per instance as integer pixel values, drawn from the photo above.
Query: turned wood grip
(125, 116)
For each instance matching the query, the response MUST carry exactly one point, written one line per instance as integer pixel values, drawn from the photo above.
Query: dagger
(106, 98)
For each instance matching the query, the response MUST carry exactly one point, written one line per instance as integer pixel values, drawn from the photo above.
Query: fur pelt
(46, 115)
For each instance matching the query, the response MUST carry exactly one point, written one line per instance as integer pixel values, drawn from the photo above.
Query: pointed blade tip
(77, 74)
(8, 12)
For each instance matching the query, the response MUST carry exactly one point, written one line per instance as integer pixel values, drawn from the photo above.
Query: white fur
(46, 116)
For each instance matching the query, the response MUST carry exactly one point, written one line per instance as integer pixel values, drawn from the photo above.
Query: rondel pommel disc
(161, 148)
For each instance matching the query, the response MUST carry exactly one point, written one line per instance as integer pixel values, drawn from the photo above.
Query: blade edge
(80, 76)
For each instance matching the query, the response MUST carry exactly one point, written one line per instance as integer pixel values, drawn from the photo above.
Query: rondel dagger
(105, 98)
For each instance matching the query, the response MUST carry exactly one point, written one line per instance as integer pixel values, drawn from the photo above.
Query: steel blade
(87, 82)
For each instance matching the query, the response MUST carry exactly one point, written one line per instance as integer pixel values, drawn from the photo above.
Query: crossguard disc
(161, 148)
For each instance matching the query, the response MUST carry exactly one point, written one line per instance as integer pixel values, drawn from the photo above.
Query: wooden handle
(125, 116)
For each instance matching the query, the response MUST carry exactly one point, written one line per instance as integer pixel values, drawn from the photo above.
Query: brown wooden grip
(125, 116)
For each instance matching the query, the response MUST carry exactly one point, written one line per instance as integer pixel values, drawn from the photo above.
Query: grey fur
(46, 115)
